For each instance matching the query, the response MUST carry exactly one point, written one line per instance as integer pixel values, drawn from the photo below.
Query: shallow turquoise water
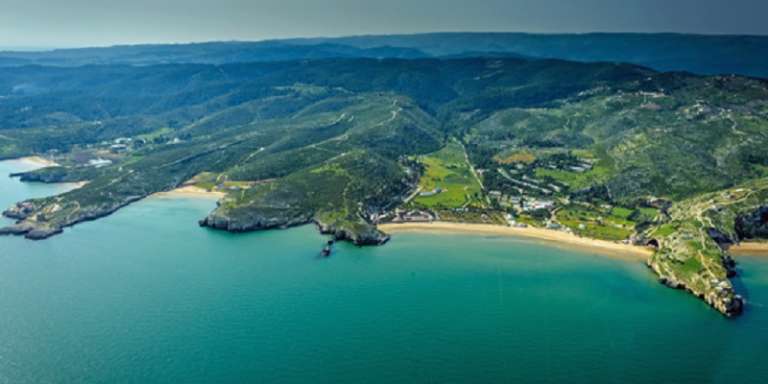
(146, 296)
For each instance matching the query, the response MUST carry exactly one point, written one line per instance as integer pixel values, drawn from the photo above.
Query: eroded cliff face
(360, 233)
(753, 225)
(354, 229)
(693, 242)
(710, 283)
(42, 218)
(234, 220)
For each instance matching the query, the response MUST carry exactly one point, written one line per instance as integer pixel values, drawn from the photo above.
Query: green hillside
(604, 150)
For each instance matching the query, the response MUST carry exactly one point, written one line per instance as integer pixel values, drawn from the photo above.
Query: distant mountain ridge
(201, 53)
(700, 54)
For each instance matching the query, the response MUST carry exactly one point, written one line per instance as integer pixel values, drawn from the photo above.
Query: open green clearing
(448, 172)
(596, 223)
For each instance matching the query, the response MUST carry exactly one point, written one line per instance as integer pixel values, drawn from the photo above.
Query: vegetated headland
(670, 161)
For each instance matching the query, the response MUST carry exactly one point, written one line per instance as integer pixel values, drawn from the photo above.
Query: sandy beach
(37, 161)
(191, 191)
(749, 248)
(547, 235)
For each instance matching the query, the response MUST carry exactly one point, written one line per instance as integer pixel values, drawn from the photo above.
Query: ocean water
(146, 296)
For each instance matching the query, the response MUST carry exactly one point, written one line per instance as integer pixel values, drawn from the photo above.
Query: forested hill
(200, 53)
(743, 55)
(607, 150)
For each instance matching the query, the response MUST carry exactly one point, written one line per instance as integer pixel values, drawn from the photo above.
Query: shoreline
(37, 161)
(546, 235)
(749, 248)
(191, 191)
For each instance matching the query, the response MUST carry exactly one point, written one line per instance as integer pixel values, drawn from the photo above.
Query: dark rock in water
(326, 251)
(17, 229)
(30, 230)
(728, 261)
(734, 306)
(42, 233)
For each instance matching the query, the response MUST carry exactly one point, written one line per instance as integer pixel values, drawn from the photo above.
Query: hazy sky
(49, 23)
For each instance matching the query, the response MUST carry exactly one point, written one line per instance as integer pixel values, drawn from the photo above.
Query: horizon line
(54, 47)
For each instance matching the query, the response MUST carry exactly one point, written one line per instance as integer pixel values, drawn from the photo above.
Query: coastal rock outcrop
(20, 211)
(753, 225)
(695, 237)
(718, 293)
(40, 219)
(253, 221)
(358, 233)
(362, 234)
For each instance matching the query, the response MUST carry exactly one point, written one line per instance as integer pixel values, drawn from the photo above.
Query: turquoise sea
(146, 296)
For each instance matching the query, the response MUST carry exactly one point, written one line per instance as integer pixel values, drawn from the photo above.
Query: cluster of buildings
(99, 162)
(121, 145)
(526, 183)
(125, 144)
(535, 205)
(521, 203)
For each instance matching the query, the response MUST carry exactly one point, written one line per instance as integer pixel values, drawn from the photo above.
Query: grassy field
(524, 156)
(149, 137)
(448, 170)
(575, 180)
(590, 222)
(205, 180)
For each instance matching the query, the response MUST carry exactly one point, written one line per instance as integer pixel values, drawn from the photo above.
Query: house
(418, 216)
(414, 216)
(118, 148)
(98, 163)
(554, 225)
(534, 205)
